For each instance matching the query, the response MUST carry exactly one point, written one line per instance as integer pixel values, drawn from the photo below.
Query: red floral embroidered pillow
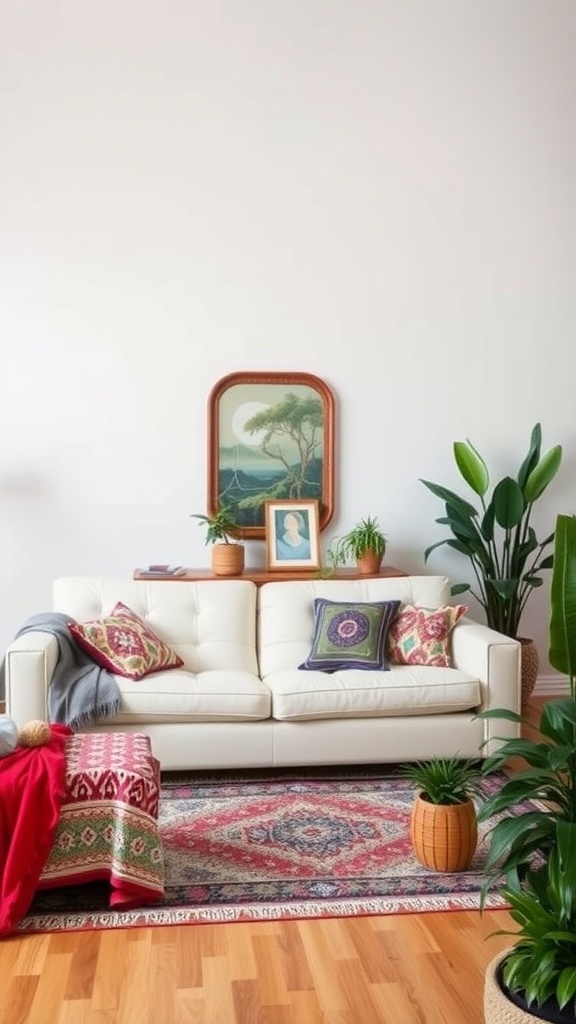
(421, 636)
(123, 643)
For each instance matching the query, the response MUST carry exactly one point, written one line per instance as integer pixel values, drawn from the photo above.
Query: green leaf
(508, 503)
(542, 474)
(487, 524)
(465, 548)
(532, 457)
(505, 588)
(461, 526)
(558, 720)
(459, 588)
(450, 498)
(472, 467)
(433, 547)
(562, 652)
(566, 987)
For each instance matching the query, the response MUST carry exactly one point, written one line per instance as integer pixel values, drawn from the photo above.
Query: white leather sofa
(242, 701)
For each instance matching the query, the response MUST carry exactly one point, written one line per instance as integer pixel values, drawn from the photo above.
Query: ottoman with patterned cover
(108, 827)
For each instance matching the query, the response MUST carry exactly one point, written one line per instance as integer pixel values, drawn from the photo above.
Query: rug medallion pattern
(263, 847)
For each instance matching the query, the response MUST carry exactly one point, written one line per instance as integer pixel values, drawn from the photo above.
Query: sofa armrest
(495, 660)
(29, 666)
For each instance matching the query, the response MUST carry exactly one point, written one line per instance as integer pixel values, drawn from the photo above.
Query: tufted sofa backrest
(211, 625)
(286, 610)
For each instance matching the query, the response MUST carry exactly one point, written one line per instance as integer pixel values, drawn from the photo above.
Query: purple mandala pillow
(350, 635)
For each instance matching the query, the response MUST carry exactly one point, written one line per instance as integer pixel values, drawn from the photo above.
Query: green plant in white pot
(497, 535)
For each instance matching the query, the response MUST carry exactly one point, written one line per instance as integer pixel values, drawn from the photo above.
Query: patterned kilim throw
(268, 846)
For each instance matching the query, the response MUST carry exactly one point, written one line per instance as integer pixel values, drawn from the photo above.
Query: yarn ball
(8, 735)
(34, 734)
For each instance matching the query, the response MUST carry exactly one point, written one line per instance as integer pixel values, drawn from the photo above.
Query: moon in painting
(241, 416)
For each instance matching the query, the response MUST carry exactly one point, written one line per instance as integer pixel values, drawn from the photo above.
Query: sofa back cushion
(209, 624)
(286, 610)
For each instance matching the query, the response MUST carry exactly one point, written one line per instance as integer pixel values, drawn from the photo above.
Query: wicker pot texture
(228, 559)
(444, 836)
(529, 663)
(498, 1009)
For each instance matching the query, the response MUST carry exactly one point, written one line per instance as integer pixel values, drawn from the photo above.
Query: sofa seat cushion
(217, 695)
(355, 693)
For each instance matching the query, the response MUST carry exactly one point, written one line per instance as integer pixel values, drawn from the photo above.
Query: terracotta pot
(444, 836)
(529, 664)
(369, 563)
(228, 559)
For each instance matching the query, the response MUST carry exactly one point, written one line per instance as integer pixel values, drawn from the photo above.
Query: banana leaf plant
(562, 636)
(523, 831)
(497, 537)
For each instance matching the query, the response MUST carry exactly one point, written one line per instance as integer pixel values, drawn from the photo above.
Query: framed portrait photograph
(270, 437)
(292, 535)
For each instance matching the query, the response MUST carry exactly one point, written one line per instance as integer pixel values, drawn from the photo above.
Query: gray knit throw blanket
(80, 691)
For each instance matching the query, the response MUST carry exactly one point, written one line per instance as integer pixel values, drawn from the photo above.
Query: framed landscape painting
(270, 438)
(292, 535)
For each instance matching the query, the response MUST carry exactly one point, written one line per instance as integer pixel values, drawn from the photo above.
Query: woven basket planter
(499, 1010)
(444, 836)
(529, 663)
(228, 559)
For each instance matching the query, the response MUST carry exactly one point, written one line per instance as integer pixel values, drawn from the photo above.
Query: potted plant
(499, 540)
(443, 824)
(364, 543)
(534, 850)
(535, 979)
(549, 755)
(221, 530)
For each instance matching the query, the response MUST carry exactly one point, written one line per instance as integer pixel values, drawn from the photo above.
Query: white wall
(377, 192)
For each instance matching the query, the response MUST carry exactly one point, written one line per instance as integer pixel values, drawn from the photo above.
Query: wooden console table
(260, 576)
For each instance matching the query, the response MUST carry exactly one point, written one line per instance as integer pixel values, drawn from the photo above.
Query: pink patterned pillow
(421, 636)
(124, 644)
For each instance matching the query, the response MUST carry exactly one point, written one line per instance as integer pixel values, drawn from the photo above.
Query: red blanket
(32, 790)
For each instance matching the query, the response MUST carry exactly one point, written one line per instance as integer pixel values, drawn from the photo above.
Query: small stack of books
(163, 570)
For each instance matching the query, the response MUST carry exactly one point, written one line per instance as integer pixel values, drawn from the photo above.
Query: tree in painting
(300, 421)
(290, 436)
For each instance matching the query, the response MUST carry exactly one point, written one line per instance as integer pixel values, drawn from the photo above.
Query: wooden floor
(397, 969)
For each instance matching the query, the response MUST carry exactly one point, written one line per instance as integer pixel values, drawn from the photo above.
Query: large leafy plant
(524, 831)
(548, 751)
(534, 848)
(542, 963)
(498, 538)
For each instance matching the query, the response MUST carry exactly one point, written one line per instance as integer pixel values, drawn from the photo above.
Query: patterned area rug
(293, 844)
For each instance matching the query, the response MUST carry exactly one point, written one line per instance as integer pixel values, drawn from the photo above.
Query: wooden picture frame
(270, 437)
(292, 534)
